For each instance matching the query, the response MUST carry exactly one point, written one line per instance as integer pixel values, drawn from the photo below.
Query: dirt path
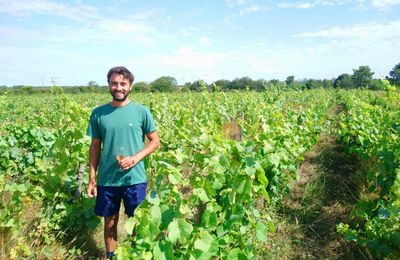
(322, 197)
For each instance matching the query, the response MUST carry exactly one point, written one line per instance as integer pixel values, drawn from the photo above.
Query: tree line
(361, 78)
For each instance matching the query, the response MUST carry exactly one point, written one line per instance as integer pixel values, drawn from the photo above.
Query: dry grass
(323, 196)
(232, 130)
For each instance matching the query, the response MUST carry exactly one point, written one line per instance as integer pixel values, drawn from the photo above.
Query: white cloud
(250, 9)
(205, 41)
(21, 7)
(297, 5)
(315, 3)
(188, 58)
(372, 30)
(238, 2)
(91, 25)
(305, 6)
(385, 3)
(185, 64)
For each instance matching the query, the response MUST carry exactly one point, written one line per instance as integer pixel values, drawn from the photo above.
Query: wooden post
(241, 128)
(79, 179)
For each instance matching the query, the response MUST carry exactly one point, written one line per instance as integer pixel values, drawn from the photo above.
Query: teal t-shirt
(122, 131)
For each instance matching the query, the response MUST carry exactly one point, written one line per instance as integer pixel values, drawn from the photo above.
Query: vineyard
(226, 164)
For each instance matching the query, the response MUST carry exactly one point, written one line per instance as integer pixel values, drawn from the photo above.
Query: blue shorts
(108, 199)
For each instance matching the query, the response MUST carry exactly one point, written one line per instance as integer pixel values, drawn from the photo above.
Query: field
(230, 180)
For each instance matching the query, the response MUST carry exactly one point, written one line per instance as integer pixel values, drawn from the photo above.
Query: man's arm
(94, 156)
(150, 147)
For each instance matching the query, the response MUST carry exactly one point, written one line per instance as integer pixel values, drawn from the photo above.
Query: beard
(120, 98)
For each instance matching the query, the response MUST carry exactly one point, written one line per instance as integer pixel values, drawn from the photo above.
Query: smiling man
(116, 152)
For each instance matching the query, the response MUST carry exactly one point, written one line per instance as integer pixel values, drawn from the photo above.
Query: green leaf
(261, 176)
(274, 159)
(234, 253)
(250, 170)
(201, 194)
(174, 232)
(261, 232)
(130, 225)
(153, 198)
(158, 253)
(241, 187)
(180, 156)
(265, 194)
(153, 230)
(217, 168)
(185, 228)
(167, 215)
(204, 241)
(256, 213)
(224, 161)
(155, 214)
(271, 227)
(175, 178)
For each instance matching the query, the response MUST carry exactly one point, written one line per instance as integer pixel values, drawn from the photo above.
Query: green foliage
(197, 86)
(394, 75)
(289, 80)
(312, 84)
(164, 84)
(223, 84)
(92, 84)
(141, 87)
(370, 129)
(362, 77)
(343, 81)
(210, 195)
(38, 168)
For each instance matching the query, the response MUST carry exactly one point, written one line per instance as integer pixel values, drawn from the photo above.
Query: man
(117, 150)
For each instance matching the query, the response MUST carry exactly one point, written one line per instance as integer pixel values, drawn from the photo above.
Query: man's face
(119, 87)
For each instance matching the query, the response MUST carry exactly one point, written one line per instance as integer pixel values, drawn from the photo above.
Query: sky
(73, 42)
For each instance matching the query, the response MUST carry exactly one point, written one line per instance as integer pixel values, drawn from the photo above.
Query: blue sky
(74, 42)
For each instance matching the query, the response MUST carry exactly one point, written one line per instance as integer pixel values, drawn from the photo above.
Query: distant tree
(184, 89)
(289, 80)
(223, 84)
(141, 87)
(197, 85)
(186, 86)
(92, 84)
(260, 85)
(312, 83)
(343, 81)
(164, 84)
(362, 76)
(274, 82)
(27, 89)
(327, 83)
(215, 87)
(376, 84)
(394, 76)
(203, 86)
(242, 83)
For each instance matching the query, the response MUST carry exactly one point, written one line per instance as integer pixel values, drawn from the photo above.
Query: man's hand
(127, 162)
(92, 189)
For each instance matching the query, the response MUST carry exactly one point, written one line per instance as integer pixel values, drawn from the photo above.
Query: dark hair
(122, 71)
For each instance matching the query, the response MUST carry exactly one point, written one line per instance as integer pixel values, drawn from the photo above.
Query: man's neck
(116, 103)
